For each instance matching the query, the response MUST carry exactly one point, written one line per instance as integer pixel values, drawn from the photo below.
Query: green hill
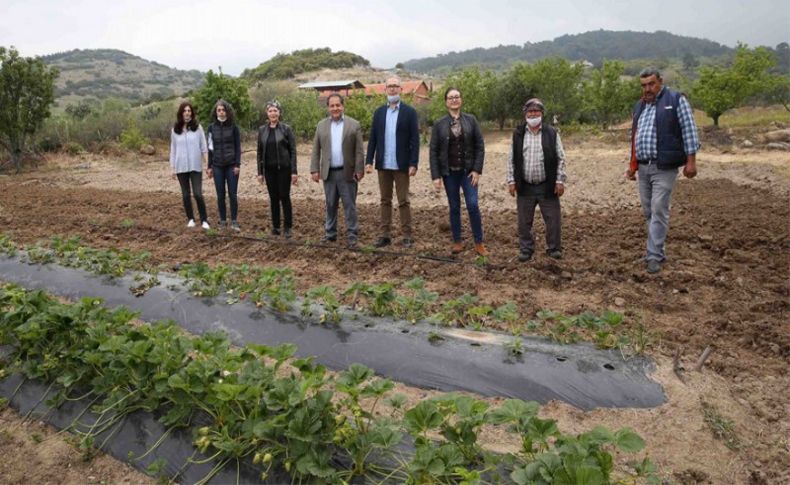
(591, 46)
(286, 66)
(105, 73)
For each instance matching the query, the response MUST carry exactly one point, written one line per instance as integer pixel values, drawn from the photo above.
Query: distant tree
(361, 108)
(476, 86)
(399, 66)
(302, 111)
(81, 110)
(607, 96)
(507, 97)
(285, 66)
(720, 89)
(27, 90)
(233, 90)
(556, 81)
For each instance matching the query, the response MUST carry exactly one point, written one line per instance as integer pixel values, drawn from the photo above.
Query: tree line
(572, 92)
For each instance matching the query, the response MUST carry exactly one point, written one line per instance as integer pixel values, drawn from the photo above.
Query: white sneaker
(191, 223)
(205, 225)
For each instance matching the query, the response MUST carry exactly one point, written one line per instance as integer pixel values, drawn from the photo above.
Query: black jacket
(226, 144)
(474, 146)
(286, 147)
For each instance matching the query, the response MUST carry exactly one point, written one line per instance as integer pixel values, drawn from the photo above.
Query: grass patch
(721, 427)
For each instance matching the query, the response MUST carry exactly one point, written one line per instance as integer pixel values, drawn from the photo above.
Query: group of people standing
(664, 138)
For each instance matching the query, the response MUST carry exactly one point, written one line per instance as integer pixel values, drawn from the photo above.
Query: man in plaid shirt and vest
(663, 139)
(536, 173)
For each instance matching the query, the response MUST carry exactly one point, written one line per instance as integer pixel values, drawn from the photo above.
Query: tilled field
(725, 286)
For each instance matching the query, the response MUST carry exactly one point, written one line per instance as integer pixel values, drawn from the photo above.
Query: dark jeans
(223, 176)
(196, 179)
(541, 195)
(453, 184)
(278, 183)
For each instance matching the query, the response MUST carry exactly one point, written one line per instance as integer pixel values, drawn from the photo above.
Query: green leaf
(512, 411)
(628, 441)
(422, 418)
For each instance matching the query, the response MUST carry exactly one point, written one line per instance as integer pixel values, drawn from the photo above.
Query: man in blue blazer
(395, 146)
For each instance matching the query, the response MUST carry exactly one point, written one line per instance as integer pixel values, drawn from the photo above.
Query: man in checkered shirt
(663, 139)
(536, 173)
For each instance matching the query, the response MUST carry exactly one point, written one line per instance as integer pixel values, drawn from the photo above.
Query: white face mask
(533, 122)
(392, 99)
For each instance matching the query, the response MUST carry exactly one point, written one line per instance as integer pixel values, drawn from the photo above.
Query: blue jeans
(222, 176)
(453, 184)
(655, 192)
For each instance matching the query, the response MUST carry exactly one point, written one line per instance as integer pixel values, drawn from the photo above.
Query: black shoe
(328, 239)
(381, 242)
(275, 231)
(524, 256)
(287, 233)
(407, 242)
(555, 254)
(653, 266)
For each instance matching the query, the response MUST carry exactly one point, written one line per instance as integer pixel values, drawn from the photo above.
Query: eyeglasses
(393, 86)
(453, 98)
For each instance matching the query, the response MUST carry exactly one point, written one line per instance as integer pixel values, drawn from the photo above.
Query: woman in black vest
(277, 165)
(456, 154)
(224, 160)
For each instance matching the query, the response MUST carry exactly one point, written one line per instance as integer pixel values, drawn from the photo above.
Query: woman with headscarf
(187, 154)
(277, 166)
(224, 160)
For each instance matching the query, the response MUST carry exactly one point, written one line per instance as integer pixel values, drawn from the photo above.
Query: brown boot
(457, 247)
(480, 249)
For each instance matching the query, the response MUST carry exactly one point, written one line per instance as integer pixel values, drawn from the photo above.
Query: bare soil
(725, 284)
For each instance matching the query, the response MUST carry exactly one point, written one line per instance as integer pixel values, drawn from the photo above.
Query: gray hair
(650, 71)
(534, 103)
(274, 104)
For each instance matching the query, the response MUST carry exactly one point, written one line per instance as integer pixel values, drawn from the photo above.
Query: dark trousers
(278, 183)
(543, 196)
(196, 179)
(453, 183)
(223, 176)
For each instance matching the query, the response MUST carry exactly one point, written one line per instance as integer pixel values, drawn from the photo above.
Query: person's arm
(237, 144)
(414, 142)
(688, 129)
(210, 149)
(259, 153)
(203, 144)
(509, 178)
(433, 154)
(289, 135)
(480, 147)
(173, 151)
(359, 154)
(374, 127)
(315, 158)
(562, 177)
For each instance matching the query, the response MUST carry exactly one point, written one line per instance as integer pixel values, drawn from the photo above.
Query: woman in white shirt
(188, 154)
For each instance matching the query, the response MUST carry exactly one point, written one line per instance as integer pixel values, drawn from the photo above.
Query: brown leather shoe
(457, 247)
(481, 250)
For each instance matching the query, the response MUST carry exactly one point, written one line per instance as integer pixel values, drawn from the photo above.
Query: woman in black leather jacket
(277, 165)
(456, 154)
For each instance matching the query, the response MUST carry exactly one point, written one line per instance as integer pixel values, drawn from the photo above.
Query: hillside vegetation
(286, 66)
(592, 46)
(102, 73)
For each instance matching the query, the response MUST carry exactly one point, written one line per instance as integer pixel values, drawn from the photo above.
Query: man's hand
(630, 174)
(512, 189)
(209, 173)
(475, 178)
(294, 179)
(437, 184)
(314, 176)
(690, 169)
(236, 171)
(369, 168)
(359, 176)
(260, 179)
(559, 189)
(412, 171)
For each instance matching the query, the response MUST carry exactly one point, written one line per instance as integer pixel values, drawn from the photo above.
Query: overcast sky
(236, 34)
